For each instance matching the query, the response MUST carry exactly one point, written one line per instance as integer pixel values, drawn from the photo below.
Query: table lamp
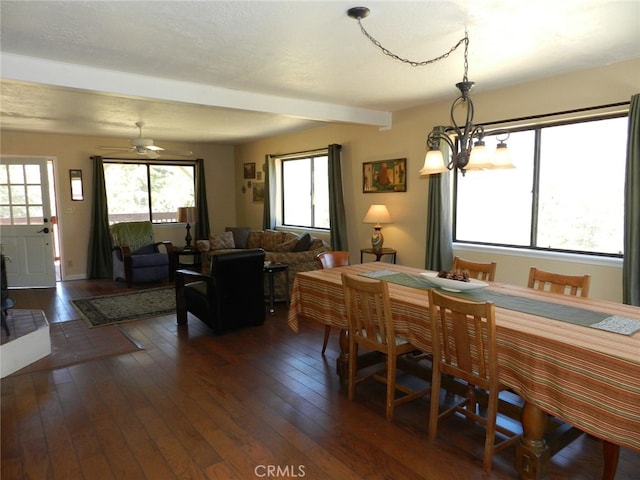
(377, 214)
(188, 215)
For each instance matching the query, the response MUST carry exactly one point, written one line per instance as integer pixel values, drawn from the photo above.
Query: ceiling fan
(145, 146)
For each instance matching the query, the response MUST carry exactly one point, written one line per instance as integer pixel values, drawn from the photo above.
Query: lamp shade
(479, 158)
(433, 162)
(502, 158)
(187, 214)
(377, 214)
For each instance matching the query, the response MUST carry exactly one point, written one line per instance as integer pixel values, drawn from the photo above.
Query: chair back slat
(332, 259)
(576, 285)
(478, 270)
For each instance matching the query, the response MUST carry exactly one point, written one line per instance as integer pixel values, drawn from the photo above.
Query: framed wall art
(258, 192)
(384, 176)
(249, 170)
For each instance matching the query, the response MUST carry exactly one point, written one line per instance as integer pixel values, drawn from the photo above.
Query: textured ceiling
(230, 72)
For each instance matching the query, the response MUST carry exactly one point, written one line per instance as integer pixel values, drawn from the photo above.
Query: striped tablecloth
(587, 377)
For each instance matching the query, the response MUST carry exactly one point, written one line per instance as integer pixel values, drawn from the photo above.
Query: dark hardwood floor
(257, 403)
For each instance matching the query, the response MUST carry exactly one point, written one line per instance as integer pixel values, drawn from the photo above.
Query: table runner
(564, 313)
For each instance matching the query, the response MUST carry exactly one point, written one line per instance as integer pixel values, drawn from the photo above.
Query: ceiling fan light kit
(146, 147)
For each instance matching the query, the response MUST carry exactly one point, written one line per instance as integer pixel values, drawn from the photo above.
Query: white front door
(26, 232)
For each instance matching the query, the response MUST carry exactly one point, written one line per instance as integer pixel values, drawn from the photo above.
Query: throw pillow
(203, 245)
(240, 235)
(316, 243)
(286, 246)
(255, 239)
(270, 239)
(221, 240)
(303, 244)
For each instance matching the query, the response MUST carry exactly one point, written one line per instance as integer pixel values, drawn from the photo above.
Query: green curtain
(269, 211)
(100, 261)
(202, 225)
(337, 215)
(439, 253)
(631, 261)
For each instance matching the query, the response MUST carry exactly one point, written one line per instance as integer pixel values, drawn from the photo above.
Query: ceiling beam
(110, 82)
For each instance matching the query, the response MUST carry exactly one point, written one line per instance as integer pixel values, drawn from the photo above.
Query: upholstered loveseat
(297, 251)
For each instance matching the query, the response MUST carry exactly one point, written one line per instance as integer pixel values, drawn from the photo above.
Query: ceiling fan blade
(151, 154)
(180, 153)
(116, 149)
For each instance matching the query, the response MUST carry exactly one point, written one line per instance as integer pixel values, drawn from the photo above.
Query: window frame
(281, 160)
(147, 164)
(535, 195)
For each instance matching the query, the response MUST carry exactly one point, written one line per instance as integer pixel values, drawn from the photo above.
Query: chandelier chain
(413, 63)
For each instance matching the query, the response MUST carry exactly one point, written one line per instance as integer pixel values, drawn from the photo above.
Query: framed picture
(384, 176)
(258, 192)
(249, 170)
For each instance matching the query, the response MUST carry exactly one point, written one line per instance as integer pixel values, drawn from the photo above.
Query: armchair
(231, 296)
(137, 257)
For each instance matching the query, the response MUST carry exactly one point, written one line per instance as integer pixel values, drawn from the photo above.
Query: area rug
(125, 307)
(73, 343)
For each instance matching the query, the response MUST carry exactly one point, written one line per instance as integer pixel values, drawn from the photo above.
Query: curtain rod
(557, 114)
(155, 161)
(285, 156)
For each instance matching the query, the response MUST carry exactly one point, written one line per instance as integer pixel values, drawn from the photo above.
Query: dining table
(565, 356)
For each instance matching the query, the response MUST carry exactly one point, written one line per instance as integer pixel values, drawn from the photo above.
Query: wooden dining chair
(368, 311)
(478, 270)
(577, 285)
(331, 259)
(464, 346)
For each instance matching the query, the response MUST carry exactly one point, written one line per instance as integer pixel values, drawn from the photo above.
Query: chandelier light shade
(377, 214)
(188, 215)
(465, 140)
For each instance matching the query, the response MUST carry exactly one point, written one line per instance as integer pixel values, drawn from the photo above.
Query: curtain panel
(100, 261)
(631, 261)
(439, 248)
(337, 215)
(202, 225)
(269, 212)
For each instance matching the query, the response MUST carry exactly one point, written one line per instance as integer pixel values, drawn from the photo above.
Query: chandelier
(465, 140)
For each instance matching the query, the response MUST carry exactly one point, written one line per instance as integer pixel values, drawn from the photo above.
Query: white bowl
(453, 285)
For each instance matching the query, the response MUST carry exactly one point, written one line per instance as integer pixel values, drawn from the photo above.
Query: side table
(378, 253)
(193, 253)
(271, 268)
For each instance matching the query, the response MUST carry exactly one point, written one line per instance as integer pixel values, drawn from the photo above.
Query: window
(565, 194)
(138, 191)
(305, 192)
